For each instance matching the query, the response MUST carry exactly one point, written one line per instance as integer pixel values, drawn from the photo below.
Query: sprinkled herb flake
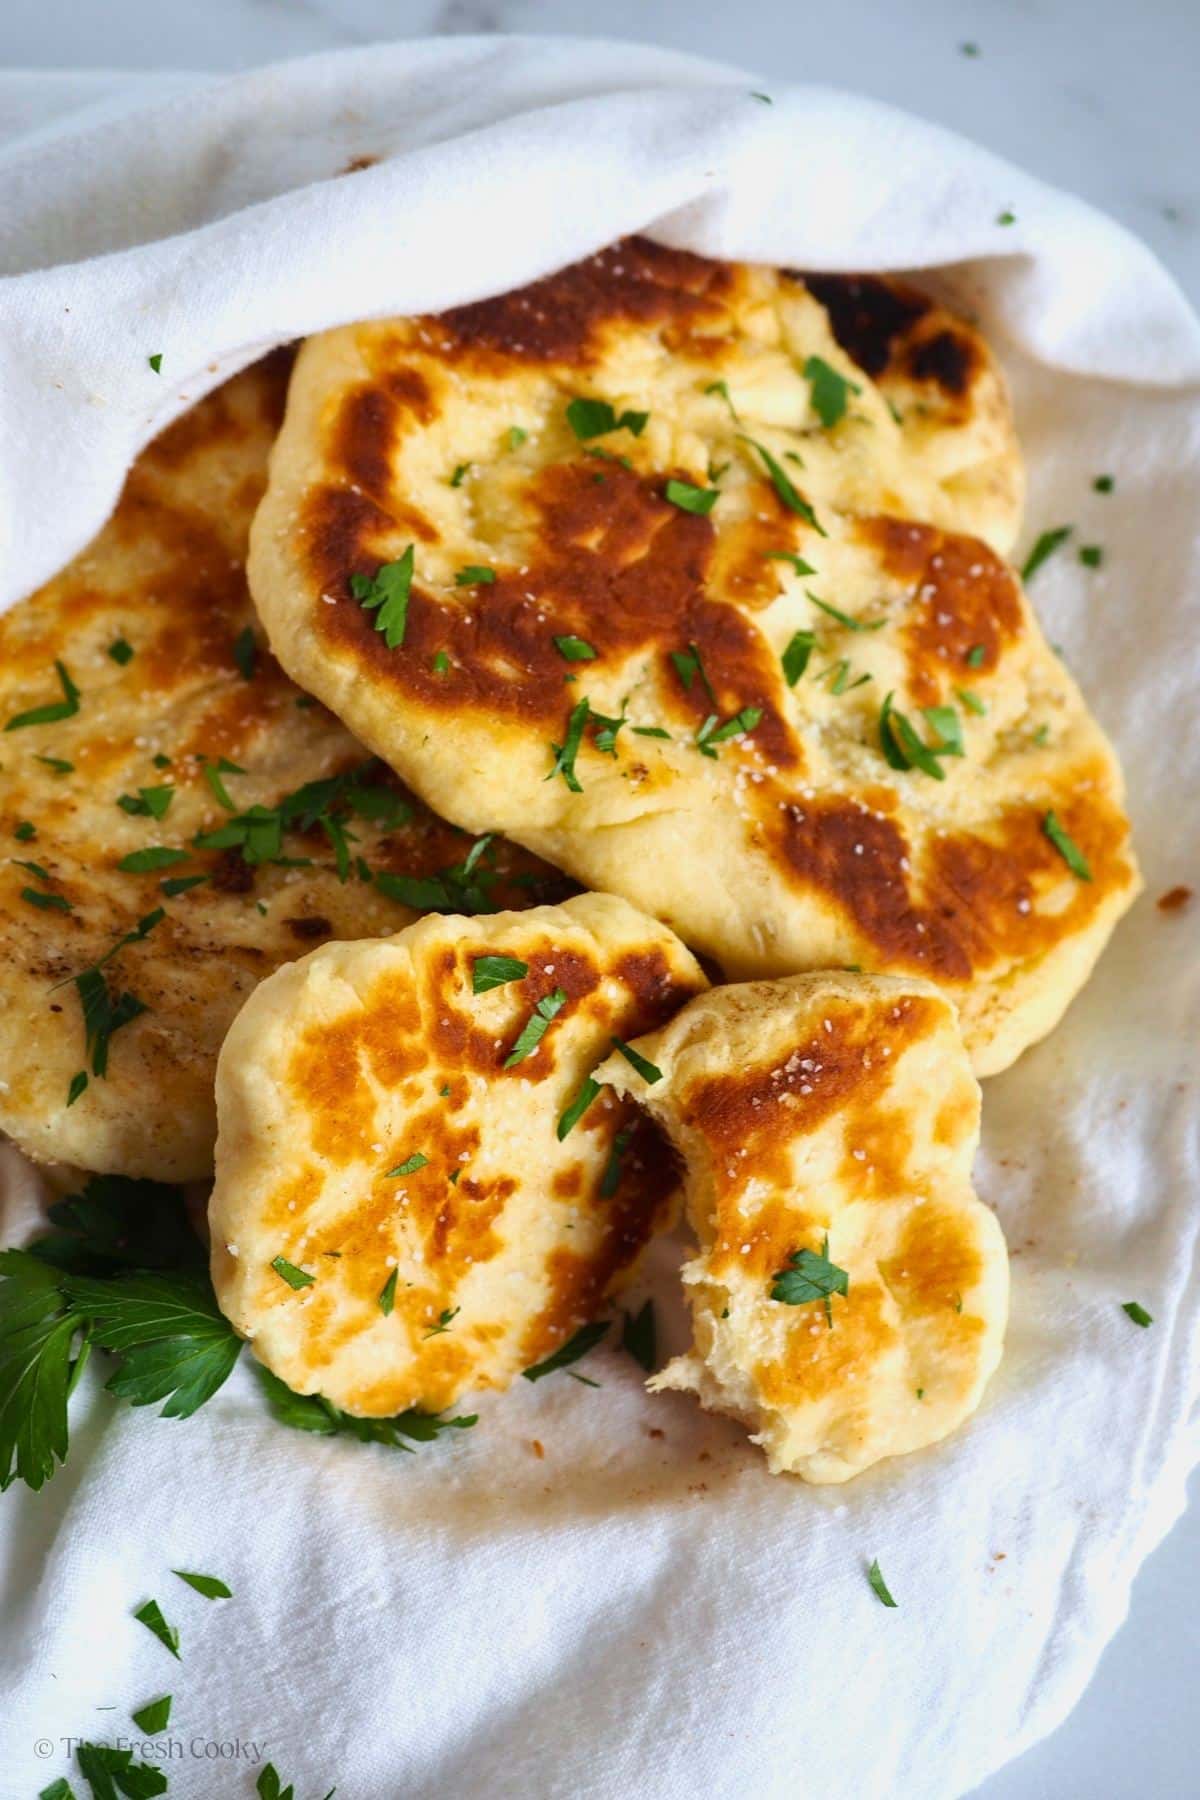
(1104, 484)
(26, 831)
(844, 618)
(408, 1167)
(120, 651)
(721, 388)
(1091, 555)
(46, 902)
(180, 884)
(572, 1114)
(155, 1717)
(440, 663)
(490, 972)
(971, 701)
(975, 656)
(150, 1615)
(155, 856)
(565, 753)
(1135, 1311)
(798, 563)
(213, 772)
(879, 1586)
(902, 747)
(1044, 549)
(1007, 217)
(286, 1271)
(147, 803)
(574, 649)
(57, 765)
(710, 733)
(1066, 846)
(536, 1026)
(810, 1276)
(831, 390)
(474, 575)
(781, 482)
(596, 418)
(445, 1319)
(795, 657)
(515, 436)
(387, 1294)
(386, 593)
(460, 472)
(645, 1068)
(687, 665)
(245, 653)
(585, 1339)
(690, 498)
(948, 726)
(210, 1586)
(79, 1082)
(66, 708)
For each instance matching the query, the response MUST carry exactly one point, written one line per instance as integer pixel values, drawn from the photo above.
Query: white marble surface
(1096, 95)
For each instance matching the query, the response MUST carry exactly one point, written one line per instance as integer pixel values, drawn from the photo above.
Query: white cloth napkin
(596, 1593)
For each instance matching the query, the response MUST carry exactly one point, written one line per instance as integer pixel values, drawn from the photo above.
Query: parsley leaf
(902, 747)
(536, 1026)
(47, 902)
(1137, 1313)
(36, 1367)
(446, 1318)
(154, 1717)
(574, 649)
(639, 1336)
(108, 1771)
(148, 803)
(312, 1412)
(572, 1113)
(155, 361)
(798, 563)
(566, 752)
(155, 856)
(690, 498)
(213, 772)
(610, 1180)
(1066, 846)
(103, 1016)
(150, 1615)
(245, 653)
(722, 388)
(687, 665)
(596, 418)
(1091, 555)
(810, 1276)
(1104, 484)
(473, 575)
(460, 471)
(388, 590)
(585, 1339)
(879, 1586)
(174, 1343)
(409, 1166)
(66, 708)
(711, 733)
(25, 830)
(286, 1271)
(1045, 547)
(490, 972)
(780, 481)
(120, 651)
(830, 390)
(515, 437)
(209, 1585)
(948, 726)
(387, 1294)
(77, 1085)
(844, 618)
(460, 888)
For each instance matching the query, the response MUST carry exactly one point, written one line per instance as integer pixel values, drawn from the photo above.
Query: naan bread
(440, 1235)
(153, 627)
(749, 797)
(834, 1107)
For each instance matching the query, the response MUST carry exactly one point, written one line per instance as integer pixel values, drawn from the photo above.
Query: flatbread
(375, 1134)
(834, 1107)
(149, 624)
(769, 826)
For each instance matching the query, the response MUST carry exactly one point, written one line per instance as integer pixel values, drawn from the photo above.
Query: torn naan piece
(419, 1192)
(850, 1293)
(638, 566)
(176, 818)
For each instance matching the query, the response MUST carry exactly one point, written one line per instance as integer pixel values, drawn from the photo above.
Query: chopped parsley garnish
(150, 1615)
(765, 98)
(971, 701)
(1135, 1311)
(575, 649)
(1104, 484)
(34, 868)
(445, 1319)
(515, 437)
(57, 765)
(155, 856)
(781, 482)
(566, 752)
(312, 1412)
(610, 1180)
(147, 803)
(969, 49)
(844, 618)
(164, 762)
(1091, 555)
(710, 733)
(387, 1294)
(946, 723)
(409, 1166)
(1066, 846)
(179, 884)
(245, 653)
(841, 683)
(722, 388)
(596, 418)
(463, 887)
(25, 831)
(1045, 547)
(1007, 217)
(213, 772)
(810, 1276)
(636, 1060)
(120, 651)
(47, 902)
(77, 1085)
(103, 1016)
(902, 747)
(66, 708)
(879, 1586)
(585, 1339)
(471, 576)
(211, 1586)
(605, 739)
(388, 591)
(490, 972)
(155, 1717)
(536, 1026)
(1041, 736)
(654, 731)
(155, 361)
(257, 833)
(639, 1336)
(690, 498)
(286, 1271)
(460, 470)
(798, 563)
(975, 656)
(572, 1114)
(440, 663)
(830, 390)
(687, 665)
